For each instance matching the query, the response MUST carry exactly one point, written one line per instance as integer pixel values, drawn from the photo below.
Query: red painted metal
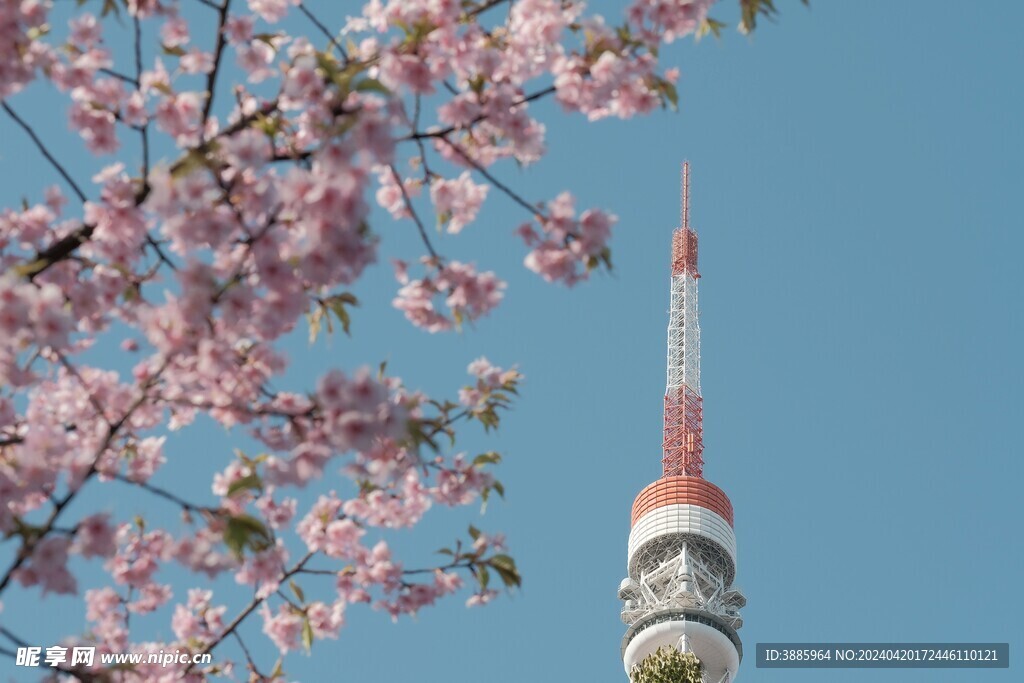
(682, 491)
(684, 252)
(683, 444)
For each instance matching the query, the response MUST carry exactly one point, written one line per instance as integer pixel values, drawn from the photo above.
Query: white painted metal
(687, 576)
(683, 335)
(682, 519)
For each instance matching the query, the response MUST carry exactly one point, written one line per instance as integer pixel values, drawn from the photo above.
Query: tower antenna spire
(683, 443)
(684, 218)
(681, 557)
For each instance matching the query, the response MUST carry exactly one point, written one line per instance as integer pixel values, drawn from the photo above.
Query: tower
(682, 550)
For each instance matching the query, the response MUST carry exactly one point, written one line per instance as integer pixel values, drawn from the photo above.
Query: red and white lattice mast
(683, 444)
(682, 550)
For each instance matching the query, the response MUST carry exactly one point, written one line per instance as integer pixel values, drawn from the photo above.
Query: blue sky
(856, 180)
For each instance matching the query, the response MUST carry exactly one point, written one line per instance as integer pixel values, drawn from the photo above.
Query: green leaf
(712, 26)
(110, 6)
(670, 93)
(337, 304)
(37, 32)
(506, 568)
(246, 532)
(307, 635)
(246, 483)
(315, 322)
(297, 590)
(474, 533)
(372, 85)
(489, 458)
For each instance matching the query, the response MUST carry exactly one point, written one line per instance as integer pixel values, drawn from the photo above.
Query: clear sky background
(857, 172)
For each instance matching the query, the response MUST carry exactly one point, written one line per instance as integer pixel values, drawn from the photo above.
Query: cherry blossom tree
(229, 206)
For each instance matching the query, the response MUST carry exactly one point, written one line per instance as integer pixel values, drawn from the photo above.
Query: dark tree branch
(218, 52)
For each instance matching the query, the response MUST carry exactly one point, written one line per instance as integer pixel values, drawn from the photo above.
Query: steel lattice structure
(683, 444)
(681, 560)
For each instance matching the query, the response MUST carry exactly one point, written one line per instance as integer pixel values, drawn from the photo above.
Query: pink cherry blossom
(458, 200)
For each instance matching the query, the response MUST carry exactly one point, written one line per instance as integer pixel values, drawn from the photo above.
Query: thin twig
(144, 129)
(248, 655)
(166, 495)
(484, 7)
(412, 212)
(419, 142)
(323, 29)
(534, 211)
(73, 371)
(121, 76)
(45, 152)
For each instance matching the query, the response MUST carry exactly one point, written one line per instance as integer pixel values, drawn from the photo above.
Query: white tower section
(681, 559)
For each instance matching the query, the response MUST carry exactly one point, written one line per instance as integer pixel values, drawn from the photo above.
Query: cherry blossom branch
(249, 609)
(45, 152)
(443, 132)
(29, 544)
(69, 244)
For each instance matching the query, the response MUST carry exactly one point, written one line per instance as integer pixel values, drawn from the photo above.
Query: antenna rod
(684, 218)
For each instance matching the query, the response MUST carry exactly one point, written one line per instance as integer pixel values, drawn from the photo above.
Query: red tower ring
(682, 491)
